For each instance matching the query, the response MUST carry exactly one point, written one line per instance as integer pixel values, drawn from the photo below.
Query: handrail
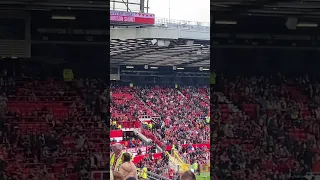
(170, 157)
(178, 156)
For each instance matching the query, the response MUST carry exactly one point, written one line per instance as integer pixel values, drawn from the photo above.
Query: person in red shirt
(171, 173)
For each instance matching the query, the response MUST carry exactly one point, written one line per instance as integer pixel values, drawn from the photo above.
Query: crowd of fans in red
(181, 116)
(274, 135)
(51, 130)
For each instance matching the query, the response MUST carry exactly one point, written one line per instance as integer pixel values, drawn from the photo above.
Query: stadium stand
(49, 131)
(265, 104)
(52, 106)
(180, 114)
(160, 96)
(265, 126)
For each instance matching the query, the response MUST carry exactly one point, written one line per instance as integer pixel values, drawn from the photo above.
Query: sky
(190, 10)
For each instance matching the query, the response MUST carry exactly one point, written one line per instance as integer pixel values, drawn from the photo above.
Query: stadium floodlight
(129, 67)
(153, 67)
(58, 17)
(226, 22)
(180, 68)
(154, 41)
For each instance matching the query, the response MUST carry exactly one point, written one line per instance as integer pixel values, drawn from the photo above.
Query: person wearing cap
(116, 156)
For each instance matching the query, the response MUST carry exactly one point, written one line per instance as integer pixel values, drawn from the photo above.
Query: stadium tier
(170, 125)
(50, 129)
(266, 127)
(160, 97)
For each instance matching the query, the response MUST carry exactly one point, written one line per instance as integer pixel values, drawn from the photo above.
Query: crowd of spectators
(182, 115)
(159, 166)
(273, 136)
(49, 130)
(190, 154)
(180, 119)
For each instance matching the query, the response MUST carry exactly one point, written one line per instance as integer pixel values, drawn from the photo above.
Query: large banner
(132, 17)
(193, 145)
(134, 150)
(116, 134)
(126, 143)
(139, 158)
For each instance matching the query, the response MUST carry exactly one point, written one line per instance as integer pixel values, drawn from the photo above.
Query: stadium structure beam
(237, 7)
(127, 5)
(142, 6)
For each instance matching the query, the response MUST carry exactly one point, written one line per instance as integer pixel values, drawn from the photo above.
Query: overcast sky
(190, 10)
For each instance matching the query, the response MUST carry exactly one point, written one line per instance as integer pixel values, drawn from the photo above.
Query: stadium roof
(301, 8)
(46, 5)
(266, 23)
(147, 52)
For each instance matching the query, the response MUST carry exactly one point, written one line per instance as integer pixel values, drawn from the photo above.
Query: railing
(185, 22)
(191, 25)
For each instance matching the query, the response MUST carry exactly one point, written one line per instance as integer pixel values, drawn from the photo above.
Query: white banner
(134, 150)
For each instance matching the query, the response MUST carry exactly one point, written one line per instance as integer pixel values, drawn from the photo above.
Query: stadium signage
(143, 149)
(132, 17)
